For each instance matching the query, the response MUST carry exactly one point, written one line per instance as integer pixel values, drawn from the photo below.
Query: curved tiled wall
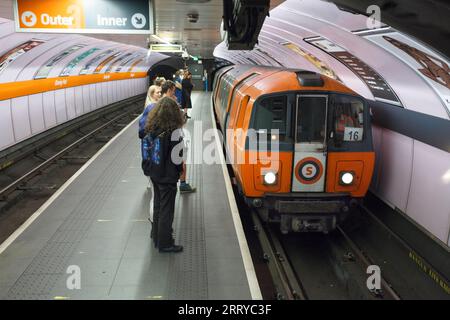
(48, 79)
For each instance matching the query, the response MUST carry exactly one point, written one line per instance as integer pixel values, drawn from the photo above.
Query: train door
(310, 143)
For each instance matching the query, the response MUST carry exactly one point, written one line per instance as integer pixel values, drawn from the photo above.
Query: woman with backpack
(164, 166)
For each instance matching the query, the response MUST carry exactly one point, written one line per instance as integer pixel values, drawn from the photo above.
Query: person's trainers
(174, 248)
(186, 188)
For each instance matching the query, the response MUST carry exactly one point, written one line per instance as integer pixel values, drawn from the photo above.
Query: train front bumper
(298, 212)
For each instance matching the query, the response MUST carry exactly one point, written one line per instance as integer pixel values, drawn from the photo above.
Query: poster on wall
(9, 57)
(319, 64)
(430, 65)
(116, 62)
(84, 16)
(94, 61)
(127, 61)
(374, 81)
(134, 64)
(72, 64)
(44, 71)
(105, 62)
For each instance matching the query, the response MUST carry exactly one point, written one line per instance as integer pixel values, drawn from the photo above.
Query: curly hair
(165, 116)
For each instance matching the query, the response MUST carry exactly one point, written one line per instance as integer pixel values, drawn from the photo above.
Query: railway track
(317, 266)
(414, 272)
(30, 176)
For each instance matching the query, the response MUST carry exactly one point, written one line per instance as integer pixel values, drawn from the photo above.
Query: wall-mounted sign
(166, 48)
(84, 16)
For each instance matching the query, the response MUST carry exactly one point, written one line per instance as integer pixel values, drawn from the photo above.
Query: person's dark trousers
(156, 210)
(163, 214)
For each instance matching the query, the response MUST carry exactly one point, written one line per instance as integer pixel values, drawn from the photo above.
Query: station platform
(96, 226)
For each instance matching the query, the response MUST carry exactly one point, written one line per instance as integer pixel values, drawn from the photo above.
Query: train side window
(240, 84)
(271, 114)
(219, 83)
(234, 93)
(225, 92)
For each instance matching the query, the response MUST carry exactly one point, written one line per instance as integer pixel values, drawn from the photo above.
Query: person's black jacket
(167, 171)
(186, 92)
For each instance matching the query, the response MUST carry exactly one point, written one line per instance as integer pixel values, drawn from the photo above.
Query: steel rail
(286, 283)
(365, 260)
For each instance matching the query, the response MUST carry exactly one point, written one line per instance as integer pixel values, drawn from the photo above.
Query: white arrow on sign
(138, 20)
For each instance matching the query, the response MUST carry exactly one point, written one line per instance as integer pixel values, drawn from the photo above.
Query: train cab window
(347, 118)
(271, 114)
(311, 119)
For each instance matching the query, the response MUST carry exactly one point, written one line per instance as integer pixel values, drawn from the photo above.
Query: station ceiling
(172, 24)
(424, 19)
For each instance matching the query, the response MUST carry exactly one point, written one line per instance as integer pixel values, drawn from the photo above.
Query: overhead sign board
(166, 47)
(84, 16)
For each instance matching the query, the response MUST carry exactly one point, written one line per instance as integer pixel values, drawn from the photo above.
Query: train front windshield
(347, 118)
(340, 116)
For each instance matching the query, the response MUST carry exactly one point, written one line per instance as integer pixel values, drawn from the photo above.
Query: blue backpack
(153, 159)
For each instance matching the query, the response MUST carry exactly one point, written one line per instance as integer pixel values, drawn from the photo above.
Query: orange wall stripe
(11, 90)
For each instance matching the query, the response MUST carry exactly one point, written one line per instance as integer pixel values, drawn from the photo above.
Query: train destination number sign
(84, 16)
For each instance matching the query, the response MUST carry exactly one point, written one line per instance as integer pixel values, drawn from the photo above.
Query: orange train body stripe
(16, 89)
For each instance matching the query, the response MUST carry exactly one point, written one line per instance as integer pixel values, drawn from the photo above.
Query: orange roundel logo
(309, 170)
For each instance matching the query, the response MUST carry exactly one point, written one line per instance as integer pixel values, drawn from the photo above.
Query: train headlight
(270, 178)
(347, 178)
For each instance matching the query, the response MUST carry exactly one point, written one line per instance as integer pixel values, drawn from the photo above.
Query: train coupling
(290, 223)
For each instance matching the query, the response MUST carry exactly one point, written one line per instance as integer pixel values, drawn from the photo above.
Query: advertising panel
(430, 65)
(319, 64)
(93, 61)
(72, 64)
(44, 71)
(9, 57)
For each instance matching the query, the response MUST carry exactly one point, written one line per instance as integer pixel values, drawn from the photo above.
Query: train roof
(275, 79)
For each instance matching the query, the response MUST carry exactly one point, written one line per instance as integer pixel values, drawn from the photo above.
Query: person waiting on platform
(178, 79)
(168, 90)
(187, 85)
(164, 169)
(153, 95)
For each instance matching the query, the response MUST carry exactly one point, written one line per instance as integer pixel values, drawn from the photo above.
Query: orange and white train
(299, 143)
